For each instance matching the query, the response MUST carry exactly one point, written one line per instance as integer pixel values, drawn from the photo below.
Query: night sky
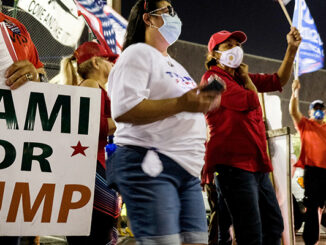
(262, 20)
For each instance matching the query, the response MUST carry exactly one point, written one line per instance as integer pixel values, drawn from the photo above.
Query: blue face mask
(171, 29)
(319, 114)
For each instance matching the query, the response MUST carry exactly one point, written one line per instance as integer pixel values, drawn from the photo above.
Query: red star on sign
(79, 149)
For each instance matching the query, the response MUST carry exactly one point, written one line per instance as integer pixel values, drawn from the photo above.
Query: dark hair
(136, 27)
(210, 60)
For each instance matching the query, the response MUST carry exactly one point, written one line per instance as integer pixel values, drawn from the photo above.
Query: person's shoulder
(303, 122)
(135, 54)
(89, 83)
(138, 49)
(217, 71)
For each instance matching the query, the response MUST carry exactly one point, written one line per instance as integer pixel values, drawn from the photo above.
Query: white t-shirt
(142, 72)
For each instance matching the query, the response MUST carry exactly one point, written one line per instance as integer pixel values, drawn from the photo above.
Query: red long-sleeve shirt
(21, 40)
(237, 130)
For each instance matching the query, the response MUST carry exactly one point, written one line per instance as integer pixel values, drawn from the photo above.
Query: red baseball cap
(221, 36)
(90, 49)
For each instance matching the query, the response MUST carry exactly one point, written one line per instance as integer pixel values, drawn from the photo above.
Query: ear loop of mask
(151, 25)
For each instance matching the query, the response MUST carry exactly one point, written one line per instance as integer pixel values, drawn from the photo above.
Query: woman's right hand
(199, 101)
(243, 71)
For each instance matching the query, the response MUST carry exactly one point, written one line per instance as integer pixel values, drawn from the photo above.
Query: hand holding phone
(215, 83)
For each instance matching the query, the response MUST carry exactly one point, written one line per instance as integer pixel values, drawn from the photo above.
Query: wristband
(43, 78)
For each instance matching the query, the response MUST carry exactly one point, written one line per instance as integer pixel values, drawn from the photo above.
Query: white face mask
(231, 58)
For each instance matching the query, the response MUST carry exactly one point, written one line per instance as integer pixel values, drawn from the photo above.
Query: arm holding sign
(20, 72)
(27, 65)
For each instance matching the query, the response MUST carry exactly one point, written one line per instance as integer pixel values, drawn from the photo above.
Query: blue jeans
(167, 209)
(225, 220)
(253, 205)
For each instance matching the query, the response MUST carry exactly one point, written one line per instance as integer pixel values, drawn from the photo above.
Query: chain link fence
(50, 51)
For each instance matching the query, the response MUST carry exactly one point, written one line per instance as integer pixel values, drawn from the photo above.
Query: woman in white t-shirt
(161, 131)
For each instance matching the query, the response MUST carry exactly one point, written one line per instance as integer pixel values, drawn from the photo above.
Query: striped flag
(119, 25)
(98, 21)
(310, 56)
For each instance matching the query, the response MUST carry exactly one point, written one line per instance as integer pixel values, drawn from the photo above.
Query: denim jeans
(253, 205)
(219, 230)
(167, 209)
(225, 220)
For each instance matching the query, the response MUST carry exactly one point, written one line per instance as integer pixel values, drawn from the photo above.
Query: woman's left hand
(19, 73)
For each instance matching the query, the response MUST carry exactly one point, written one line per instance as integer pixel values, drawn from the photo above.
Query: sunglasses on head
(170, 9)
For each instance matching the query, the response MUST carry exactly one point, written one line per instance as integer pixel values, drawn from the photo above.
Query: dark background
(262, 20)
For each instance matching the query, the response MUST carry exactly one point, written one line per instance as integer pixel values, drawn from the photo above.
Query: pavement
(60, 240)
(51, 240)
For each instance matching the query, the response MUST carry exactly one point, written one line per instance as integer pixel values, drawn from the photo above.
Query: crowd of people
(175, 138)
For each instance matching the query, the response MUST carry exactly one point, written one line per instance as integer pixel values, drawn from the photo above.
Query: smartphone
(215, 83)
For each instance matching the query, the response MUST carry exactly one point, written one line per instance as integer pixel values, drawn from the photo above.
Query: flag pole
(285, 11)
(296, 71)
(14, 14)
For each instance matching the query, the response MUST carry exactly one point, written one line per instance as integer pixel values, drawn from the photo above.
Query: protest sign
(48, 151)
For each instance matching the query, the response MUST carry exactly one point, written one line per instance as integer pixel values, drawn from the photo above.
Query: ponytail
(68, 72)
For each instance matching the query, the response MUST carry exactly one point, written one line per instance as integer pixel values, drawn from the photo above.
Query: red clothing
(21, 40)
(313, 143)
(104, 129)
(237, 130)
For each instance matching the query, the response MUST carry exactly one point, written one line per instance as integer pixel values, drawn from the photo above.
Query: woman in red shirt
(237, 146)
(94, 64)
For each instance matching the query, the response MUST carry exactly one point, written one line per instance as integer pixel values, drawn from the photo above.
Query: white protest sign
(7, 52)
(48, 152)
(279, 146)
(58, 17)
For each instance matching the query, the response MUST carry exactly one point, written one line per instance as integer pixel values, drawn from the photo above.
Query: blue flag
(310, 56)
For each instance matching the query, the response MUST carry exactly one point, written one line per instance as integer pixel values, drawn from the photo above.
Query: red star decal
(79, 149)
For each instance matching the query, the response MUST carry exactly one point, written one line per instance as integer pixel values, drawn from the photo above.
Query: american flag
(119, 25)
(98, 21)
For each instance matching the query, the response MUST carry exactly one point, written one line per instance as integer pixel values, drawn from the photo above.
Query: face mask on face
(319, 114)
(231, 58)
(171, 29)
